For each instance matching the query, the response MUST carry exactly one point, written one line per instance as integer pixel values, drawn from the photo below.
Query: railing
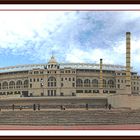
(35, 107)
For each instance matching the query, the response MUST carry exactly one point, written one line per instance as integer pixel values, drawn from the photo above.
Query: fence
(56, 106)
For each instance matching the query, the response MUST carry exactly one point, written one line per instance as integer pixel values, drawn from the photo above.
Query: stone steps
(66, 117)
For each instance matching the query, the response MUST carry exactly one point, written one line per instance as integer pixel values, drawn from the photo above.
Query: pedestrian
(38, 106)
(13, 107)
(34, 107)
(86, 106)
(61, 107)
(106, 105)
(109, 106)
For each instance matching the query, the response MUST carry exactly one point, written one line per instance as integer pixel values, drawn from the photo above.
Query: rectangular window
(34, 79)
(69, 79)
(118, 80)
(61, 79)
(61, 94)
(51, 84)
(105, 91)
(134, 83)
(61, 84)
(54, 92)
(73, 84)
(36, 72)
(30, 80)
(73, 94)
(73, 79)
(30, 85)
(41, 72)
(51, 92)
(65, 78)
(62, 71)
(118, 86)
(37, 79)
(48, 92)
(112, 91)
(134, 88)
(48, 84)
(79, 91)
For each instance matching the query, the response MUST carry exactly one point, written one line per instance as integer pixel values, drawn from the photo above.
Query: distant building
(71, 80)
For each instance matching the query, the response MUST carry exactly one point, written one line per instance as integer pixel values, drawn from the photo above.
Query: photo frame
(70, 137)
(69, 2)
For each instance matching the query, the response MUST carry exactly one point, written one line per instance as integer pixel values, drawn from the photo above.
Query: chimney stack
(101, 77)
(128, 63)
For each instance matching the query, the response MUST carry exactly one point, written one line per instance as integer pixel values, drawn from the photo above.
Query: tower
(101, 77)
(128, 63)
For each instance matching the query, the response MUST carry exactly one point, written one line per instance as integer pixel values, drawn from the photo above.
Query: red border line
(91, 127)
(78, 127)
(69, 2)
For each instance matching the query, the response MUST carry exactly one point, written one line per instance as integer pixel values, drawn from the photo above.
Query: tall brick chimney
(101, 77)
(128, 63)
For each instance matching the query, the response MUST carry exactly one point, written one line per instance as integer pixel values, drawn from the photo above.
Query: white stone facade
(55, 80)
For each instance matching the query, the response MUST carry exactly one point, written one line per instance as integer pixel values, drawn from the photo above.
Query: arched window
(52, 82)
(79, 83)
(11, 84)
(87, 83)
(5, 85)
(104, 83)
(95, 83)
(111, 84)
(26, 84)
(19, 84)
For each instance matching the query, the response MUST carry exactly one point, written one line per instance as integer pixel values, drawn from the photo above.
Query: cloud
(73, 36)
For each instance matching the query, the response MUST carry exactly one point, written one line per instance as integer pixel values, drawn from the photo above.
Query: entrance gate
(25, 93)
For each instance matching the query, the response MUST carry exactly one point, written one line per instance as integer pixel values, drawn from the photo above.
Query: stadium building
(101, 83)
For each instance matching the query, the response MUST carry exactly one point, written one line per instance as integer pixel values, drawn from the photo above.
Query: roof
(62, 65)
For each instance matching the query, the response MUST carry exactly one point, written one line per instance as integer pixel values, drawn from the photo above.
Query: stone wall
(124, 101)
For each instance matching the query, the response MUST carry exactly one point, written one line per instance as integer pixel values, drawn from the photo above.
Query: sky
(31, 37)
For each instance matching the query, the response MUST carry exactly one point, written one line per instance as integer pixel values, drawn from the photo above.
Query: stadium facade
(120, 85)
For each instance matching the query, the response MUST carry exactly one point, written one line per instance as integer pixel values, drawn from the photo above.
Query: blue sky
(28, 37)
